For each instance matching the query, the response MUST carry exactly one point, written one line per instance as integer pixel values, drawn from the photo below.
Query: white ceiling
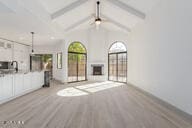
(54, 5)
(19, 17)
(142, 5)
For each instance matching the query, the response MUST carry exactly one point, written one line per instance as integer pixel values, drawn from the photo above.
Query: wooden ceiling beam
(67, 9)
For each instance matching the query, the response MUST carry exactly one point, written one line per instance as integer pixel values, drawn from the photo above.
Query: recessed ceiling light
(21, 38)
(52, 38)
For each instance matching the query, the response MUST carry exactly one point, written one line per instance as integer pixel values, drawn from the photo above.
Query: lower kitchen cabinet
(35, 81)
(37, 78)
(27, 81)
(18, 84)
(1, 88)
(12, 86)
(6, 87)
(42, 78)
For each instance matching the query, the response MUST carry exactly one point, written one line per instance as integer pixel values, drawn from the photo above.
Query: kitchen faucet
(16, 68)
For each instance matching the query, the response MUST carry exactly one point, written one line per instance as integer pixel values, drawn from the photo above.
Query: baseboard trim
(58, 81)
(186, 116)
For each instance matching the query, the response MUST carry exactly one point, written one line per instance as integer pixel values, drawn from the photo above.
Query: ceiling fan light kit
(98, 21)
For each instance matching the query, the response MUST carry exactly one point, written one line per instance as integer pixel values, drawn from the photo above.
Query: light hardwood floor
(96, 105)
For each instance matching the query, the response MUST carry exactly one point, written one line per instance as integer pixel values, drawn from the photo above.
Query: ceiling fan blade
(105, 20)
(97, 27)
(92, 23)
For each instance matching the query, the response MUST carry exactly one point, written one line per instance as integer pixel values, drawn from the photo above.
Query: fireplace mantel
(95, 65)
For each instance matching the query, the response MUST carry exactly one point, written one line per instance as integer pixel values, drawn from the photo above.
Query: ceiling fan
(98, 19)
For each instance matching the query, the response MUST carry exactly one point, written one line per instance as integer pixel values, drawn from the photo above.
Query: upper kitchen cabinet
(11, 51)
(6, 50)
(21, 55)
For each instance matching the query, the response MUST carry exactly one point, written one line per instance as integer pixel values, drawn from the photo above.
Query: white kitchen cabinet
(1, 88)
(15, 85)
(6, 49)
(8, 54)
(5, 54)
(38, 80)
(21, 55)
(42, 78)
(7, 86)
(35, 79)
(27, 81)
(18, 84)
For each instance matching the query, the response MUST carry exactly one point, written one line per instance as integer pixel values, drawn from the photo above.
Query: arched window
(117, 61)
(117, 47)
(76, 47)
(77, 62)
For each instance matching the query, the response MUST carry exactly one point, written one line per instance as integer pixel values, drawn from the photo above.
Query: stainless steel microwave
(5, 65)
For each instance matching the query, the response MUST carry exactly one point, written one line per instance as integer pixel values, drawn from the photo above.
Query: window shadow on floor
(86, 89)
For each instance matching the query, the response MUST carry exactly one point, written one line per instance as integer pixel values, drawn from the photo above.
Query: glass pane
(77, 47)
(117, 47)
(113, 67)
(118, 67)
(81, 67)
(76, 62)
(72, 67)
(122, 67)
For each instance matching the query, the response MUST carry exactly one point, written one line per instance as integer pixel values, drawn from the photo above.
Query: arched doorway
(117, 62)
(77, 62)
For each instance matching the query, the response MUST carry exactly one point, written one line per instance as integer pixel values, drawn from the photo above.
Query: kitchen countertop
(2, 74)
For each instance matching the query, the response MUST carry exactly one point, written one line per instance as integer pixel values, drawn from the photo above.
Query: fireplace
(97, 69)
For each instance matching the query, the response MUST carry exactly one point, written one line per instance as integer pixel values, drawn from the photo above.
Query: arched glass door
(117, 62)
(77, 62)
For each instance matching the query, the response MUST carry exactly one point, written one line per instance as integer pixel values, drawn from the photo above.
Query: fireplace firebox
(97, 69)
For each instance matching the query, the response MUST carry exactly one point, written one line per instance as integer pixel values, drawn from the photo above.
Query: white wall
(80, 36)
(160, 53)
(97, 52)
(97, 43)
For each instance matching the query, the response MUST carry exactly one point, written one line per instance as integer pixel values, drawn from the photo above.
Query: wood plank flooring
(105, 105)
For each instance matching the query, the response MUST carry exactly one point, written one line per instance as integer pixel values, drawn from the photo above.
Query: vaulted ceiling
(54, 18)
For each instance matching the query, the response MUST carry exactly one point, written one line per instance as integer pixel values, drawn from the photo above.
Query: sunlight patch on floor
(68, 92)
(87, 89)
